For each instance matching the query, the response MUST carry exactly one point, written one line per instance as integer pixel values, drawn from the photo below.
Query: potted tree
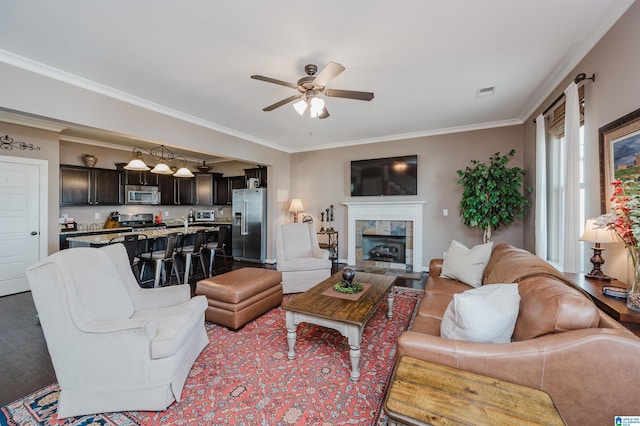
(492, 194)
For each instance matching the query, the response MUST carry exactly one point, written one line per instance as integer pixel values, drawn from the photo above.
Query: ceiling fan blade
(350, 94)
(282, 102)
(328, 73)
(274, 81)
(323, 114)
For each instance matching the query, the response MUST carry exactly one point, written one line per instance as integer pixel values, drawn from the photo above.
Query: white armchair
(114, 346)
(299, 257)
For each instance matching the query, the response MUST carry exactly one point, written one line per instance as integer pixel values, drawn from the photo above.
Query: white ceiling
(423, 59)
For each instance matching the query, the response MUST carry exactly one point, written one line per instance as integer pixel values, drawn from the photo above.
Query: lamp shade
(317, 106)
(137, 164)
(162, 169)
(300, 106)
(593, 234)
(296, 205)
(183, 172)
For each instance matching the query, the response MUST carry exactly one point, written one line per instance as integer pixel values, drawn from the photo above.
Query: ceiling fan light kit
(310, 87)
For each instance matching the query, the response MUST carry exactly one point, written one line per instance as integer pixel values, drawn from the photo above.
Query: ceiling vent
(485, 91)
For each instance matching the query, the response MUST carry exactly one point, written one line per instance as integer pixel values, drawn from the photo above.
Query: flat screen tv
(385, 176)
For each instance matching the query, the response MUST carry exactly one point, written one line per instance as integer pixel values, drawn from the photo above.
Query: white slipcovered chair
(114, 346)
(299, 257)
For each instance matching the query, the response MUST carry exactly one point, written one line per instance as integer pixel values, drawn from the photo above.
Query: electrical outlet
(166, 213)
(96, 215)
(445, 212)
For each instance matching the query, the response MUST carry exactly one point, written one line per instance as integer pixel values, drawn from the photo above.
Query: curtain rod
(580, 77)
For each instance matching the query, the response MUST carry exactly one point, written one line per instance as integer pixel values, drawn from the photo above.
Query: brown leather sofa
(562, 343)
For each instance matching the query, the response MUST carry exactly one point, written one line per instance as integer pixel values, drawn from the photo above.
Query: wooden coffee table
(346, 316)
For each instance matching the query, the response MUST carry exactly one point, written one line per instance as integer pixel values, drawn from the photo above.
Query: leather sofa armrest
(435, 267)
(581, 370)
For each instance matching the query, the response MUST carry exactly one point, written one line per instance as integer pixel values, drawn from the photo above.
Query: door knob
(34, 232)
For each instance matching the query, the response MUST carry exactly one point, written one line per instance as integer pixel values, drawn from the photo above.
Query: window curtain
(541, 189)
(570, 249)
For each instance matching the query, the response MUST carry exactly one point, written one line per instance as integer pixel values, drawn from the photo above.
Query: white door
(20, 234)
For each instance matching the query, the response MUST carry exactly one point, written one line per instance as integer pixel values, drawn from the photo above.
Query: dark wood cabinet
(184, 191)
(134, 177)
(205, 189)
(222, 191)
(176, 191)
(259, 173)
(82, 186)
(107, 187)
(225, 187)
(74, 186)
(167, 192)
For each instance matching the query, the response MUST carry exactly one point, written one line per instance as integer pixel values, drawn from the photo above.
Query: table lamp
(295, 207)
(593, 234)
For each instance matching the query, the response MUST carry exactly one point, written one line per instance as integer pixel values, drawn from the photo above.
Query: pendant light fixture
(162, 154)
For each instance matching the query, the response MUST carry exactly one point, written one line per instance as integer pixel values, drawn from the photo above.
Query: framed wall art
(619, 154)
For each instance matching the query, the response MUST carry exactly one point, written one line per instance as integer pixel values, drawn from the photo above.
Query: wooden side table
(614, 307)
(329, 240)
(425, 393)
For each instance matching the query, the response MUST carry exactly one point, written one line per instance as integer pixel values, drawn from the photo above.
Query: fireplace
(384, 248)
(382, 234)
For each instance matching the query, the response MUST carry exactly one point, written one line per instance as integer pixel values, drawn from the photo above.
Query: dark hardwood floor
(25, 365)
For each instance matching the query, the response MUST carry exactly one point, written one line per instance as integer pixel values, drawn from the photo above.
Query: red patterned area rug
(245, 378)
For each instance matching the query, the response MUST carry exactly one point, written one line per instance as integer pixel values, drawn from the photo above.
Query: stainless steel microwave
(205, 216)
(138, 194)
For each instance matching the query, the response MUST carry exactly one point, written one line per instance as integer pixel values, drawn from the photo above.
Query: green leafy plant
(348, 288)
(492, 194)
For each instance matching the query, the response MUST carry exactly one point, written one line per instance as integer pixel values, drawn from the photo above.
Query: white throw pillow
(464, 264)
(486, 314)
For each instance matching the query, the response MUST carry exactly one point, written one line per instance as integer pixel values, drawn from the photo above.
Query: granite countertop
(74, 232)
(103, 239)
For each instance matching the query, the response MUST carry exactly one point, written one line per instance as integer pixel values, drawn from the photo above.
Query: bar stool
(220, 246)
(163, 259)
(191, 253)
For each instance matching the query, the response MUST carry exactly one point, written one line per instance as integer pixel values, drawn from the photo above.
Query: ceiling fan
(311, 86)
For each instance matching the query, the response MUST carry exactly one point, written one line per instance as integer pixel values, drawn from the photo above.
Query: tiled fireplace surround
(385, 218)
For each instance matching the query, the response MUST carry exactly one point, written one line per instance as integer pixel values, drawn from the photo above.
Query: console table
(425, 393)
(614, 307)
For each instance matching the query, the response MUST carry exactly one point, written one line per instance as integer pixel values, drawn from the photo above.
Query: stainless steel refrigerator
(249, 227)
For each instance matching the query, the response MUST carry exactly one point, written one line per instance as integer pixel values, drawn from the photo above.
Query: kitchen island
(104, 239)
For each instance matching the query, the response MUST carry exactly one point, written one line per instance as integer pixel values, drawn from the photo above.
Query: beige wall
(321, 178)
(49, 151)
(615, 93)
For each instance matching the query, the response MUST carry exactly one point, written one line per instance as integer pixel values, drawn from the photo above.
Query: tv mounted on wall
(385, 176)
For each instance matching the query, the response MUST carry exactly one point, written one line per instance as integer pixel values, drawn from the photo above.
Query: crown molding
(29, 121)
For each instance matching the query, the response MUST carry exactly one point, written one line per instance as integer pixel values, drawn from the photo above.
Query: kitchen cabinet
(176, 191)
(82, 186)
(259, 173)
(205, 189)
(225, 187)
(108, 187)
(140, 177)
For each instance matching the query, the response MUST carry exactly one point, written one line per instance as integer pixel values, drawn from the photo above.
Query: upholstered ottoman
(239, 296)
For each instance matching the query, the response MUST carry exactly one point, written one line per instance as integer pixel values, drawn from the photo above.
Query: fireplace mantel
(375, 210)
